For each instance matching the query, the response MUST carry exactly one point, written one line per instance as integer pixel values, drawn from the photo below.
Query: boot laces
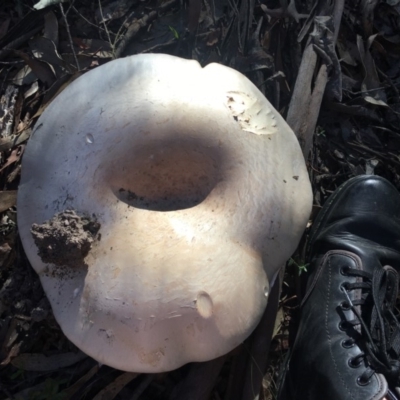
(379, 326)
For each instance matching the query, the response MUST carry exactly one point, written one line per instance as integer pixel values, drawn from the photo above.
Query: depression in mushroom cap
(181, 192)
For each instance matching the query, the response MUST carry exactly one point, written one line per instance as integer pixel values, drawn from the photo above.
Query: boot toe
(363, 212)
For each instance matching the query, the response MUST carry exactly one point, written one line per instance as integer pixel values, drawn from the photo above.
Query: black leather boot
(347, 344)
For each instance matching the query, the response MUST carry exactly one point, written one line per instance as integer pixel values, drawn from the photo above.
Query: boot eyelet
(348, 343)
(353, 363)
(344, 270)
(345, 306)
(362, 381)
(344, 287)
(342, 325)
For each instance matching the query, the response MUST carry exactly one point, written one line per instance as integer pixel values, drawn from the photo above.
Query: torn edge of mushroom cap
(248, 106)
(44, 195)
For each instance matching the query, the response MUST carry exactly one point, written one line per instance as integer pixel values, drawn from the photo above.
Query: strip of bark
(305, 104)
(200, 380)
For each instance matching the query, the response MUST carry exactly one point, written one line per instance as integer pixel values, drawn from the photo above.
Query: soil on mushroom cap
(66, 239)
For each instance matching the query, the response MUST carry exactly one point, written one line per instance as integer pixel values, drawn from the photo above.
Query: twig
(137, 24)
(299, 106)
(86, 20)
(106, 29)
(315, 106)
(11, 46)
(69, 36)
(133, 30)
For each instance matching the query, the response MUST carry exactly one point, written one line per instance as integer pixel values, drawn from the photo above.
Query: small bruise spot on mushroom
(191, 330)
(107, 334)
(204, 305)
(152, 358)
(251, 114)
(65, 239)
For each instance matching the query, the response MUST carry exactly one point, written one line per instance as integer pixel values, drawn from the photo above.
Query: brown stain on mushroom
(107, 334)
(250, 114)
(116, 272)
(153, 357)
(190, 330)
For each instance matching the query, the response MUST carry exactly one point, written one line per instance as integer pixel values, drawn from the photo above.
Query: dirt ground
(331, 68)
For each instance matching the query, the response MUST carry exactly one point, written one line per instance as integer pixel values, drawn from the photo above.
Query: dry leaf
(40, 69)
(14, 157)
(51, 28)
(45, 50)
(4, 27)
(371, 87)
(280, 316)
(115, 9)
(46, 3)
(8, 199)
(24, 76)
(39, 362)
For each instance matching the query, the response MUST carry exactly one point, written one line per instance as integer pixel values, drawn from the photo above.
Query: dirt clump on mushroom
(66, 239)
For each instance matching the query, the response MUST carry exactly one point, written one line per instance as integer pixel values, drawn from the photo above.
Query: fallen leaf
(12, 141)
(40, 362)
(46, 3)
(51, 27)
(24, 76)
(97, 47)
(32, 90)
(371, 87)
(14, 157)
(280, 316)
(39, 68)
(45, 50)
(7, 199)
(4, 27)
(115, 9)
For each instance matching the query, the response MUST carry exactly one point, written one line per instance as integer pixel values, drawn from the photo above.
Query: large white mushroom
(158, 201)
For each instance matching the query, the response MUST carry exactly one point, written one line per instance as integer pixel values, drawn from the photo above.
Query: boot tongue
(360, 236)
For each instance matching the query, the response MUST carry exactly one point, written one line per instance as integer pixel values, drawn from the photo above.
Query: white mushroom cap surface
(201, 192)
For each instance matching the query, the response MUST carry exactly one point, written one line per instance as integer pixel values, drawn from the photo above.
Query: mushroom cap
(201, 192)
